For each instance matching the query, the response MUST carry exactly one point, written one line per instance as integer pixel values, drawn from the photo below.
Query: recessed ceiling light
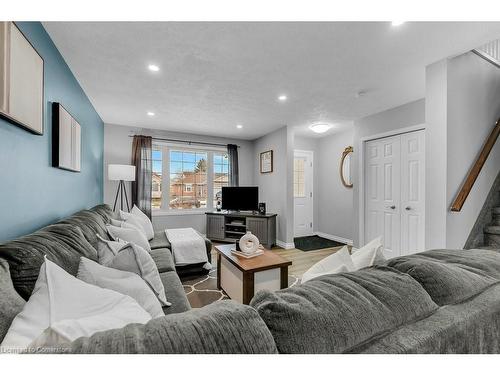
(282, 98)
(397, 23)
(153, 67)
(239, 126)
(151, 114)
(320, 127)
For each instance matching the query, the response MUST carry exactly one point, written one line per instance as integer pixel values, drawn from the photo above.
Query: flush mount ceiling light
(397, 23)
(282, 98)
(151, 114)
(320, 127)
(239, 126)
(153, 67)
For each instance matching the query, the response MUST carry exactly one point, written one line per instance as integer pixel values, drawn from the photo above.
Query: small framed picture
(266, 161)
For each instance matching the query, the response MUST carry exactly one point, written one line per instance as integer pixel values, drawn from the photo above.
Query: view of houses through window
(188, 178)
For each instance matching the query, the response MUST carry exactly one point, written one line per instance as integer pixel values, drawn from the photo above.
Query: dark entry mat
(309, 243)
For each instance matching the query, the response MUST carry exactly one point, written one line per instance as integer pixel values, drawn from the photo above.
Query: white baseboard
(335, 238)
(285, 245)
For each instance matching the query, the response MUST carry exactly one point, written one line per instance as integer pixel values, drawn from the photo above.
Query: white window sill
(178, 212)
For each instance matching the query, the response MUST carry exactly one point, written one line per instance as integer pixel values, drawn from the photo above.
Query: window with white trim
(186, 177)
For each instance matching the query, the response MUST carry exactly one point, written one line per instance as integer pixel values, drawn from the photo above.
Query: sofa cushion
(163, 259)
(451, 276)
(469, 327)
(63, 244)
(333, 313)
(11, 303)
(175, 293)
(91, 222)
(160, 240)
(222, 327)
(105, 212)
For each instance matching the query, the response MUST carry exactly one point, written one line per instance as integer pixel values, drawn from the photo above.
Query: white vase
(249, 243)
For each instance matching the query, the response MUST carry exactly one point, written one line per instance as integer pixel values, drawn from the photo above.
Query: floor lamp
(122, 173)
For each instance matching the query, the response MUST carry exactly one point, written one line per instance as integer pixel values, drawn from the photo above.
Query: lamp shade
(117, 172)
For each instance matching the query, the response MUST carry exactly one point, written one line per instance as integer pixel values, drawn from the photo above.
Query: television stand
(230, 226)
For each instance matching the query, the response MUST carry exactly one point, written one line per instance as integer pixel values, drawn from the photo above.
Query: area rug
(309, 243)
(202, 291)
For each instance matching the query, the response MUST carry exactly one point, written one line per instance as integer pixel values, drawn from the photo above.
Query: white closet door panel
(382, 193)
(413, 192)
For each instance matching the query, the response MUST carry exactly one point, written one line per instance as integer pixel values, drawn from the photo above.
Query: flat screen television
(240, 198)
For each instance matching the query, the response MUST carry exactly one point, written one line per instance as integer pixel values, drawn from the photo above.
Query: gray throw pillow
(334, 313)
(451, 276)
(11, 303)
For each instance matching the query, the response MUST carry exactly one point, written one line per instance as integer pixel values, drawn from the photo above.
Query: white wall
(460, 109)
(334, 200)
(118, 150)
(473, 109)
(275, 189)
(404, 116)
(436, 117)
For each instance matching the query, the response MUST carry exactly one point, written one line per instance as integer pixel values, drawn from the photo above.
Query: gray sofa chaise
(439, 301)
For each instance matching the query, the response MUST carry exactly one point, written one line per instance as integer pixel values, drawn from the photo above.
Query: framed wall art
(66, 140)
(21, 80)
(266, 161)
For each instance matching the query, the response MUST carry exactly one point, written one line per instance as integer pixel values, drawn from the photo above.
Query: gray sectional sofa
(439, 301)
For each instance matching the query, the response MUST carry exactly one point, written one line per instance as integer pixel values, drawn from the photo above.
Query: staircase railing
(476, 169)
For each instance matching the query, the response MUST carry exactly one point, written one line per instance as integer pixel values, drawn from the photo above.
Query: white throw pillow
(137, 216)
(330, 264)
(129, 234)
(310, 276)
(132, 258)
(123, 282)
(57, 297)
(370, 254)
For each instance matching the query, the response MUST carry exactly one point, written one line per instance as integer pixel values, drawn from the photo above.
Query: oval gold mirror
(345, 167)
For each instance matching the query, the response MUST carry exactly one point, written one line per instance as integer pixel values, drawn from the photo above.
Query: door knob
(392, 207)
(407, 208)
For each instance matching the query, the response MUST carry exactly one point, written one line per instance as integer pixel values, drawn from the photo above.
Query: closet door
(382, 193)
(412, 192)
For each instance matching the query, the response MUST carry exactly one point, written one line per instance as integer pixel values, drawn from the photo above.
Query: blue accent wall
(33, 193)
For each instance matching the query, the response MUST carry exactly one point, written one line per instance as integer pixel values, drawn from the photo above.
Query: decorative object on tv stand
(262, 208)
(122, 173)
(249, 243)
(345, 167)
(266, 161)
(66, 140)
(21, 80)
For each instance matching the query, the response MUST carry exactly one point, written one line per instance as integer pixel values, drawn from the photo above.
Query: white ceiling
(216, 75)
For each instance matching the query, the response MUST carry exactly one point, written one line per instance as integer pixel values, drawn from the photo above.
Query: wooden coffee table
(240, 278)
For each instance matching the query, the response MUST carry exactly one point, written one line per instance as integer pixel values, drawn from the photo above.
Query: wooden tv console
(230, 226)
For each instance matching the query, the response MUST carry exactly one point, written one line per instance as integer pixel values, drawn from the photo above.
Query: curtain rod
(188, 142)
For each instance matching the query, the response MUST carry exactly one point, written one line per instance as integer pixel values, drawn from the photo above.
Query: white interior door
(394, 176)
(412, 192)
(382, 193)
(302, 193)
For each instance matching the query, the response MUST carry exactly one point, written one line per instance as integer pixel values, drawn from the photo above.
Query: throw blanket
(188, 247)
